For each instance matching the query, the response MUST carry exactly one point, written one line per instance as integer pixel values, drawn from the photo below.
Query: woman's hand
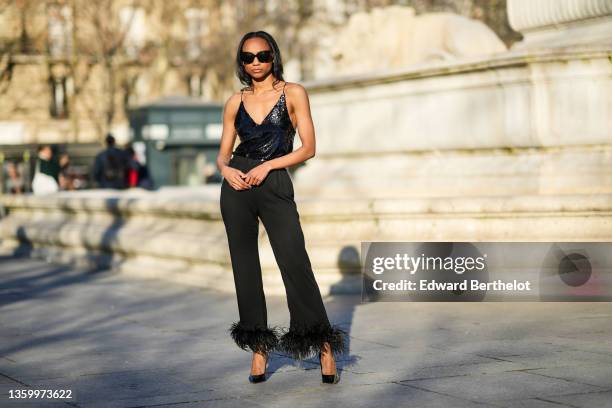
(235, 178)
(257, 174)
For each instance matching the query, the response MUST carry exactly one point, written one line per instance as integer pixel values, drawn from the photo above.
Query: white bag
(43, 183)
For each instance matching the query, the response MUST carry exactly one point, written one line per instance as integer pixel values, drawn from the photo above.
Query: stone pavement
(118, 341)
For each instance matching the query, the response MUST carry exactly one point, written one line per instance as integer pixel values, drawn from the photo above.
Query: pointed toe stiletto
(328, 378)
(257, 378)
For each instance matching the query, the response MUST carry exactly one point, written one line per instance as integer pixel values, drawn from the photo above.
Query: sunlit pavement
(115, 341)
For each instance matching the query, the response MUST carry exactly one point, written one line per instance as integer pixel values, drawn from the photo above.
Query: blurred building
(71, 70)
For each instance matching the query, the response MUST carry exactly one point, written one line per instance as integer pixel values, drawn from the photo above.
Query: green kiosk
(178, 137)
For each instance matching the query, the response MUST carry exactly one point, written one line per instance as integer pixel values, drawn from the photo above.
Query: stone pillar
(549, 23)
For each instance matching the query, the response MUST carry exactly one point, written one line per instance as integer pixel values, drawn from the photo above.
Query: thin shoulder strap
(284, 87)
(241, 94)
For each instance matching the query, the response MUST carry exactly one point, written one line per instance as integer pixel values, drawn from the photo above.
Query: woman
(46, 173)
(256, 185)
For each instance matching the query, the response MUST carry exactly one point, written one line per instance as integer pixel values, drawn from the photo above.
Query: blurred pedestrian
(15, 182)
(111, 166)
(138, 173)
(65, 180)
(46, 173)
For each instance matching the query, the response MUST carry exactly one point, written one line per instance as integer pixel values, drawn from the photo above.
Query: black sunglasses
(262, 56)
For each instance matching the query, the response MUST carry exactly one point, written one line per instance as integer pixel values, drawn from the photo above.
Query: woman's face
(46, 153)
(257, 69)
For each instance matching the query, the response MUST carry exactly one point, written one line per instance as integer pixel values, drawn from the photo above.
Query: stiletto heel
(328, 378)
(259, 377)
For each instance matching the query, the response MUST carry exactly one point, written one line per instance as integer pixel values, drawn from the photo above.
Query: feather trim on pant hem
(263, 340)
(301, 342)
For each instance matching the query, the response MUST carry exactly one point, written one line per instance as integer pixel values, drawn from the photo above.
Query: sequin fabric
(272, 138)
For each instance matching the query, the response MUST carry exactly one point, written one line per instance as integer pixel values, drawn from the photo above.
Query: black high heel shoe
(259, 377)
(328, 378)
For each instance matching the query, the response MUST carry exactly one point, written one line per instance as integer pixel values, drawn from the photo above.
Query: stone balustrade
(178, 235)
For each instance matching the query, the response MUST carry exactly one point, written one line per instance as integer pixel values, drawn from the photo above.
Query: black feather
(262, 340)
(302, 341)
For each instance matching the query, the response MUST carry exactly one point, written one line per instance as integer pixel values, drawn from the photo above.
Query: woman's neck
(261, 87)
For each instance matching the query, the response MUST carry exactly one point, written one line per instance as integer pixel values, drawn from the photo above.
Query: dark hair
(277, 62)
(110, 139)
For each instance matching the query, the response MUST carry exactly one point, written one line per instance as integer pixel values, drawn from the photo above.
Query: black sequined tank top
(271, 138)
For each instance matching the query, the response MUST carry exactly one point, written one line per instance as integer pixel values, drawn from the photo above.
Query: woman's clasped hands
(239, 180)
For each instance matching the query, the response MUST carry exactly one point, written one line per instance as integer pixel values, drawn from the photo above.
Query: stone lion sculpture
(394, 36)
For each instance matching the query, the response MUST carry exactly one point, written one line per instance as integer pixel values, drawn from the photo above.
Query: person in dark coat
(111, 166)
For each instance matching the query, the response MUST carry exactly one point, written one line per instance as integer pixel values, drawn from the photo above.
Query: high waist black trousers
(272, 201)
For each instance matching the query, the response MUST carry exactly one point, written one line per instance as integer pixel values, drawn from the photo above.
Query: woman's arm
(301, 106)
(228, 137)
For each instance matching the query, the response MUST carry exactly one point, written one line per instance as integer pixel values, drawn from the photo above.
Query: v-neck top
(271, 138)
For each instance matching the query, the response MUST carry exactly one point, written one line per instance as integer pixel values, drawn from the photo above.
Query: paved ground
(120, 342)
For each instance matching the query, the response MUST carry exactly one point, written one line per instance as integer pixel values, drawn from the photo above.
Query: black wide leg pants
(273, 202)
